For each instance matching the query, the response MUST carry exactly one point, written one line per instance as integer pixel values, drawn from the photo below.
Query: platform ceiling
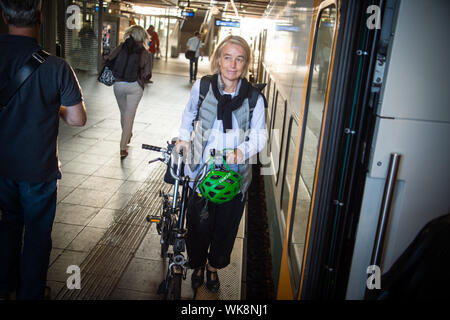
(245, 8)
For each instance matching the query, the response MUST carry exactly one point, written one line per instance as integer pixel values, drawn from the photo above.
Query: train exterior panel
(361, 80)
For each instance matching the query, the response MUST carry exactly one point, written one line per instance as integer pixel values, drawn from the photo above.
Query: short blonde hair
(138, 33)
(215, 68)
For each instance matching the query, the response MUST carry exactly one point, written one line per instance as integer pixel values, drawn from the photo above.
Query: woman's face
(232, 62)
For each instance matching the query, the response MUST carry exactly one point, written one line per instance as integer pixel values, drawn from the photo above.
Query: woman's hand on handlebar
(235, 157)
(182, 145)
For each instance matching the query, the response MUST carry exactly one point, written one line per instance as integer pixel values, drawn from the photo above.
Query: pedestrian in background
(194, 44)
(132, 69)
(154, 44)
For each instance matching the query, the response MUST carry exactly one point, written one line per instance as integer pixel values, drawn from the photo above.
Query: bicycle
(170, 221)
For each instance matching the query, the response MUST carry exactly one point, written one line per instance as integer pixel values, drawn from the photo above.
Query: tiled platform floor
(96, 184)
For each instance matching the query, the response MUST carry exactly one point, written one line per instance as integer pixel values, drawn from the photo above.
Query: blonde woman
(132, 68)
(225, 114)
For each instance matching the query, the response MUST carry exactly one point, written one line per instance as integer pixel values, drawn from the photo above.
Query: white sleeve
(189, 113)
(257, 133)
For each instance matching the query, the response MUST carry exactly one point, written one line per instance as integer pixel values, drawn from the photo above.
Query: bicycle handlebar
(153, 148)
(168, 158)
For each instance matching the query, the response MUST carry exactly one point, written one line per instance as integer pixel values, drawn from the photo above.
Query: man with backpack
(194, 44)
(35, 91)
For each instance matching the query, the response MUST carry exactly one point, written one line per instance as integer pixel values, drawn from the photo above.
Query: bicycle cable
(195, 185)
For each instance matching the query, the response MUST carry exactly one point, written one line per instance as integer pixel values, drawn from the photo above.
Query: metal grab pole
(385, 209)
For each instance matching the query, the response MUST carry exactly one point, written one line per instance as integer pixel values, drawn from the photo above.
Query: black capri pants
(212, 231)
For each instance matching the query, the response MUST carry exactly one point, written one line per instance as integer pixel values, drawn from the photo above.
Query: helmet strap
(223, 159)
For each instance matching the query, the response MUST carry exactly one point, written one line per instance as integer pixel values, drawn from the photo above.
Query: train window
(267, 92)
(273, 109)
(276, 144)
(262, 75)
(264, 79)
(270, 102)
(289, 166)
(314, 111)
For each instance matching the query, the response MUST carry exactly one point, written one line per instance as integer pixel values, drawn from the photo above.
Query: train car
(357, 159)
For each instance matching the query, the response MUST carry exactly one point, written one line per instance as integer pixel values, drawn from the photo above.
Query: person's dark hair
(21, 13)
(196, 33)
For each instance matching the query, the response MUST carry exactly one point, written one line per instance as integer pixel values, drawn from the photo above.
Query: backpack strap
(204, 88)
(37, 58)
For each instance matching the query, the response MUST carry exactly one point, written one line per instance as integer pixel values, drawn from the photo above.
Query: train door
(412, 121)
(308, 145)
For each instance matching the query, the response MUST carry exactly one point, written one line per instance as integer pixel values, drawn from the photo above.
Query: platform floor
(95, 226)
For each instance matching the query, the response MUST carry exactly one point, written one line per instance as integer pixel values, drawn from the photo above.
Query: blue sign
(232, 24)
(287, 28)
(187, 13)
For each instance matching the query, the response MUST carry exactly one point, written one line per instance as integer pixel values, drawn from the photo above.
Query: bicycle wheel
(175, 287)
(165, 237)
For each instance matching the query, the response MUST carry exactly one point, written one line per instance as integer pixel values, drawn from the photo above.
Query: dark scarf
(226, 105)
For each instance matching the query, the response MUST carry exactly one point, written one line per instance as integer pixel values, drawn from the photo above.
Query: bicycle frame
(179, 245)
(173, 234)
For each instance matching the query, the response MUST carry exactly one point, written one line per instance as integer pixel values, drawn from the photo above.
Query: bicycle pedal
(154, 220)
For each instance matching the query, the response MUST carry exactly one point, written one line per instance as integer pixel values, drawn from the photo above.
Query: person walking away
(194, 44)
(154, 44)
(223, 121)
(29, 158)
(132, 69)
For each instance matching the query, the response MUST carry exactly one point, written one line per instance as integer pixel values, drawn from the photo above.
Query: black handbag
(106, 76)
(190, 55)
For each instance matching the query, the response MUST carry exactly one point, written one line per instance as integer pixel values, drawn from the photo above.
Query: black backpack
(254, 92)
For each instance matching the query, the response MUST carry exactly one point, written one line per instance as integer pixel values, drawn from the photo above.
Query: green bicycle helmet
(220, 186)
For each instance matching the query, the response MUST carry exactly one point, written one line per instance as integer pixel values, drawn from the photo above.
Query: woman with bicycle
(223, 120)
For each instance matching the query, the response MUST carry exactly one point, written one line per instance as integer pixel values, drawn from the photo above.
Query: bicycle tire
(175, 287)
(166, 230)
(165, 236)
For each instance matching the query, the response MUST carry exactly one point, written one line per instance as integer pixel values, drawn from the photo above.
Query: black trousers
(212, 231)
(193, 64)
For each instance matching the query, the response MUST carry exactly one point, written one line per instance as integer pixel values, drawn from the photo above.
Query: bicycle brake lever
(154, 160)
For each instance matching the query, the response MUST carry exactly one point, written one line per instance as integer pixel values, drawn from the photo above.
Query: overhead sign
(187, 13)
(287, 28)
(232, 24)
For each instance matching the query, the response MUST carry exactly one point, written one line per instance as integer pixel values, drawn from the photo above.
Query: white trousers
(128, 96)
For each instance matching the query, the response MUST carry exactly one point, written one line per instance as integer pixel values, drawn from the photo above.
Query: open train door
(382, 91)
(313, 117)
